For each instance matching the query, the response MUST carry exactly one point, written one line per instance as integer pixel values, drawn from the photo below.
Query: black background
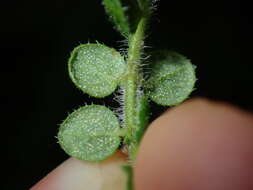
(36, 38)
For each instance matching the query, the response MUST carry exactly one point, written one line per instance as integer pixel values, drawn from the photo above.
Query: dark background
(36, 38)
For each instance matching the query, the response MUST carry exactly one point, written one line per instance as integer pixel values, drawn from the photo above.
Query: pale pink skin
(198, 145)
(75, 174)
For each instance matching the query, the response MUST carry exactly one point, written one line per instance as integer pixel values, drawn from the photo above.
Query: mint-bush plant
(94, 132)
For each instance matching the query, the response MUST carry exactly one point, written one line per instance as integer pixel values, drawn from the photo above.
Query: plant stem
(136, 42)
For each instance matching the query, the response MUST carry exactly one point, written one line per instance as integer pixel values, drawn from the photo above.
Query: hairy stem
(132, 80)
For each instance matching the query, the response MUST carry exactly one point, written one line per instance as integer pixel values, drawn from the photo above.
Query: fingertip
(74, 174)
(200, 144)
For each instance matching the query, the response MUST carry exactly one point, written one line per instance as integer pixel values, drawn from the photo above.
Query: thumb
(75, 174)
(199, 145)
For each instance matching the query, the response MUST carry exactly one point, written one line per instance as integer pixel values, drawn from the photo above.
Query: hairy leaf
(172, 78)
(96, 69)
(116, 12)
(90, 133)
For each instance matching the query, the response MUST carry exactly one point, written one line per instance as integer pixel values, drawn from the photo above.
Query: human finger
(74, 174)
(199, 145)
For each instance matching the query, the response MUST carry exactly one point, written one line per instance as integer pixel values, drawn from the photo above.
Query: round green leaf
(90, 133)
(172, 78)
(96, 69)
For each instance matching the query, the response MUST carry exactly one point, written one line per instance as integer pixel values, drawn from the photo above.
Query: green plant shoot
(94, 132)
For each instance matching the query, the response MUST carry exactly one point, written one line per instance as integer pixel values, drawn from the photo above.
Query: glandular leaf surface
(96, 69)
(172, 78)
(90, 133)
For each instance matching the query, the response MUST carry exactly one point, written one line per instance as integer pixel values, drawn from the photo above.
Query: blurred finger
(75, 174)
(199, 145)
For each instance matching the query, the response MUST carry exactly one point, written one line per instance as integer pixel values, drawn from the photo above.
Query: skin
(198, 145)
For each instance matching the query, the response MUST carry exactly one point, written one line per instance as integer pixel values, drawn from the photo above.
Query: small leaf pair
(92, 132)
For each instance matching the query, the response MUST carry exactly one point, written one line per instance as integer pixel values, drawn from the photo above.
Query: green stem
(132, 80)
